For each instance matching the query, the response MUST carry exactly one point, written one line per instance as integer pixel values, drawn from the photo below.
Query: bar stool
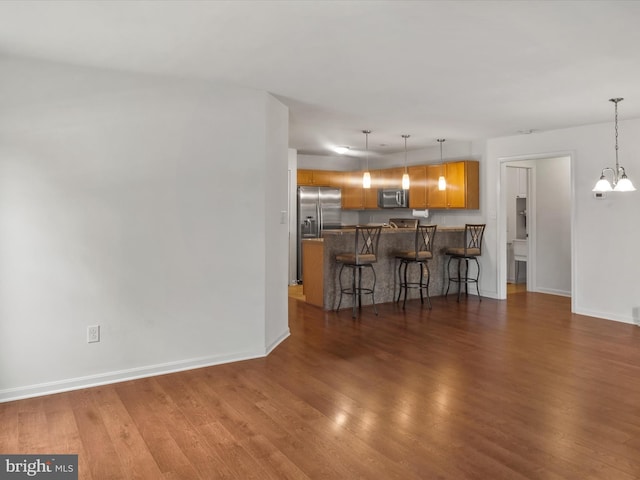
(471, 250)
(364, 254)
(421, 253)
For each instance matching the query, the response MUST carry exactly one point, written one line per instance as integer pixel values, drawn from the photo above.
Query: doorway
(536, 230)
(517, 186)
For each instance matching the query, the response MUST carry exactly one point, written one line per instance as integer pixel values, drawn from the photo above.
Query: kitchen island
(320, 282)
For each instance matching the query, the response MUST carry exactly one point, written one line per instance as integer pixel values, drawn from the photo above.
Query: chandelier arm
(614, 175)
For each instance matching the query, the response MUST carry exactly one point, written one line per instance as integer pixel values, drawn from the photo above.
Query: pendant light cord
(440, 141)
(405, 152)
(366, 146)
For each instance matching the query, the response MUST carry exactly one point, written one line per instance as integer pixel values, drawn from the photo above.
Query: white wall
(343, 163)
(144, 205)
(451, 150)
(276, 217)
(604, 240)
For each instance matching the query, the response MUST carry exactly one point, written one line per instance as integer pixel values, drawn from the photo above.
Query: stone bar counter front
(323, 283)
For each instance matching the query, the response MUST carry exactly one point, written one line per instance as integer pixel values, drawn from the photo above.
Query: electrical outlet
(93, 334)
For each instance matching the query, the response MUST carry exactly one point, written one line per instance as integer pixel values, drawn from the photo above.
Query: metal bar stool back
(422, 252)
(364, 254)
(471, 250)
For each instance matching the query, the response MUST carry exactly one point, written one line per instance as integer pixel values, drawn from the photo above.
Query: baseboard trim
(89, 381)
(283, 336)
(551, 291)
(606, 316)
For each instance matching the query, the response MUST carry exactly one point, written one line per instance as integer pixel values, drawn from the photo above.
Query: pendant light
(620, 181)
(366, 177)
(442, 182)
(405, 177)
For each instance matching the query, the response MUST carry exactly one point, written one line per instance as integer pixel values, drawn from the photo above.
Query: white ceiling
(459, 70)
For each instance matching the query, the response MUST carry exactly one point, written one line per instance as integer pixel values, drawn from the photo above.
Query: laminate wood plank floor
(516, 288)
(515, 389)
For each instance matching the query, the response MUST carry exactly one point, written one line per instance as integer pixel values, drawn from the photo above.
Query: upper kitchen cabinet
(418, 186)
(319, 178)
(352, 191)
(327, 178)
(371, 194)
(463, 185)
(435, 198)
(354, 196)
(305, 178)
(391, 178)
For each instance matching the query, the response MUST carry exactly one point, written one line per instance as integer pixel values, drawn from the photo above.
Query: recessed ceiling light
(341, 149)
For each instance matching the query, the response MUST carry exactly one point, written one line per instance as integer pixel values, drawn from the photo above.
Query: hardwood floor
(516, 288)
(296, 291)
(515, 389)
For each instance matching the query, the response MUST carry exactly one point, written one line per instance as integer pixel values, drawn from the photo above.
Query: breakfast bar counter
(320, 281)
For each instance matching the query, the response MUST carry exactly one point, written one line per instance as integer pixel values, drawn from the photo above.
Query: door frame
(502, 219)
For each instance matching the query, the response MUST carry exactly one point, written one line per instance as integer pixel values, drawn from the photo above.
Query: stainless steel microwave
(393, 198)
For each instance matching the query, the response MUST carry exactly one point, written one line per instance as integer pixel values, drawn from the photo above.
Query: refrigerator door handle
(320, 219)
(398, 198)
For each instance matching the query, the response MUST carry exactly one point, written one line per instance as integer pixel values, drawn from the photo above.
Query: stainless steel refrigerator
(319, 208)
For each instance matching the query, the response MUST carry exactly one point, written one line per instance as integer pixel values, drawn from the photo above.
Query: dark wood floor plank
(515, 389)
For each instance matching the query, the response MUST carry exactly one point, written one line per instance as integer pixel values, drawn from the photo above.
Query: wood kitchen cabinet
(305, 178)
(391, 177)
(463, 185)
(371, 194)
(354, 197)
(352, 191)
(463, 189)
(312, 266)
(319, 178)
(418, 186)
(435, 198)
(326, 178)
